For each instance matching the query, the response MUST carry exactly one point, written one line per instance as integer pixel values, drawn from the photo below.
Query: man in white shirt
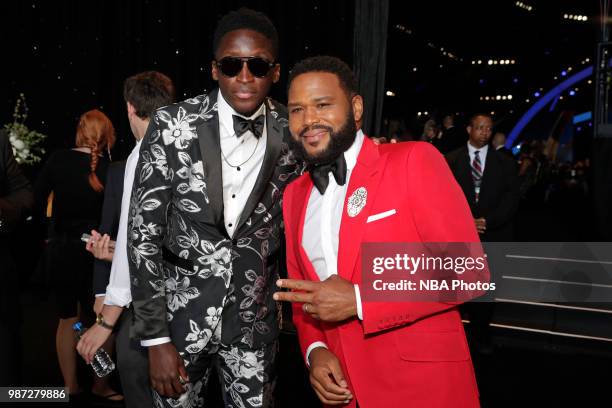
(205, 227)
(364, 352)
(143, 93)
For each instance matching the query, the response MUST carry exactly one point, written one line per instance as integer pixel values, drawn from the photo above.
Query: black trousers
(133, 366)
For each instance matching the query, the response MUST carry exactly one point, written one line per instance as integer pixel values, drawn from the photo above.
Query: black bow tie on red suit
(242, 125)
(320, 173)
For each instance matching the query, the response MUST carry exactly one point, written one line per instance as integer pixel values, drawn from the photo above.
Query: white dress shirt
(482, 154)
(245, 153)
(118, 290)
(322, 226)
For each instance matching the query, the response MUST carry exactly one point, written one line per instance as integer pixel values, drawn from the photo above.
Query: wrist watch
(100, 321)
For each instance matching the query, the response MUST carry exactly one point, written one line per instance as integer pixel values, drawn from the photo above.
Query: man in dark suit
(489, 180)
(205, 226)
(143, 93)
(15, 198)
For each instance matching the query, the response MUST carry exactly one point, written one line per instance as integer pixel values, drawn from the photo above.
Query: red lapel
(366, 174)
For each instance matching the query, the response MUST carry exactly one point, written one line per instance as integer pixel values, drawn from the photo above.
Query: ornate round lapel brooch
(357, 201)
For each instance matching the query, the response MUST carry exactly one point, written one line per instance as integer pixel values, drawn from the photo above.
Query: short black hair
(246, 19)
(326, 63)
(148, 91)
(474, 116)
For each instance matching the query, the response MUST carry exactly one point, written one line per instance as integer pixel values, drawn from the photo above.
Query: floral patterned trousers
(247, 378)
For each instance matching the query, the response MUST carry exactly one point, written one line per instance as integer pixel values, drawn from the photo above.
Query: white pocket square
(381, 215)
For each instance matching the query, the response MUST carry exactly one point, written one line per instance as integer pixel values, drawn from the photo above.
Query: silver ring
(305, 307)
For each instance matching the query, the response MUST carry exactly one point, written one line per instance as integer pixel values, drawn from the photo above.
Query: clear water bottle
(102, 364)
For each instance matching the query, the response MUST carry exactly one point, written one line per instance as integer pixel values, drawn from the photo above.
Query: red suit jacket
(403, 354)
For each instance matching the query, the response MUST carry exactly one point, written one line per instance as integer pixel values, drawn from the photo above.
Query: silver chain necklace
(237, 167)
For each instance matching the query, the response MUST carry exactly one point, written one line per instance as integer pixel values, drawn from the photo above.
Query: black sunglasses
(231, 66)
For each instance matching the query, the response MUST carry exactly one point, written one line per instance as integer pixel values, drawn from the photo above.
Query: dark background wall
(70, 56)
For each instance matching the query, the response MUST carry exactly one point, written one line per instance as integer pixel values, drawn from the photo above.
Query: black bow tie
(242, 125)
(320, 173)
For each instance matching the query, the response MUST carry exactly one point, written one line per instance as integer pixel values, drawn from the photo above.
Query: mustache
(313, 127)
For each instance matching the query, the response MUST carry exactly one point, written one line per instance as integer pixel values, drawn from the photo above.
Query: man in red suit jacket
(360, 353)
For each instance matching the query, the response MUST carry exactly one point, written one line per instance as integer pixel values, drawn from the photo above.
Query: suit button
(234, 242)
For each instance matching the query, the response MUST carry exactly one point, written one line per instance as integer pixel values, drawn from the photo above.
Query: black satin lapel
(210, 147)
(274, 144)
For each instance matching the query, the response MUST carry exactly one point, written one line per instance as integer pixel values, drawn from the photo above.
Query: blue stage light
(547, 98)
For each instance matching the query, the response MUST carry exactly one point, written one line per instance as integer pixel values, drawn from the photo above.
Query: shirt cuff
(358, 301)
(312, 347)
(100, 294)
(155, 342)
(118, 297)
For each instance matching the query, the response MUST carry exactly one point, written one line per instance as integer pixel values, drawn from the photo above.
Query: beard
(339, 142)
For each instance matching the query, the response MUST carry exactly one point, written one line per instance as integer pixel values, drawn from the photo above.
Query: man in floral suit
(205, 226)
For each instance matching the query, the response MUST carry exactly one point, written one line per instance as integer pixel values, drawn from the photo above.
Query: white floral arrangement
(25, 142)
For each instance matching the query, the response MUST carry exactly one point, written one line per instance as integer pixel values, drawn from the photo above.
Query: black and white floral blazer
(188, 277)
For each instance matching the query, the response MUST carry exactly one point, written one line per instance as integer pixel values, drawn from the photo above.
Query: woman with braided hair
(76, 176)
(94, 133)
